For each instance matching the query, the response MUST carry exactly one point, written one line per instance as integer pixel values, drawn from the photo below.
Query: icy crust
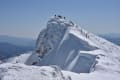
(104, 63)
(72, 48)
(58, 26)
(50, 37)
(96, 41)
(108, 54)
(19, 71)
(64, 44)
(62, 41)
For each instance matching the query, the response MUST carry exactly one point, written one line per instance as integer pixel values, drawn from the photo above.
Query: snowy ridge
(49, 38)
(68, 46)
(96, 41)
(80, 54)
(19, 71)
(58, 27)
(64, 39)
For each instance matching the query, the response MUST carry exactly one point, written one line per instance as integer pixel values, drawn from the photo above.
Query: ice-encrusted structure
(64, 44)
(67, 45)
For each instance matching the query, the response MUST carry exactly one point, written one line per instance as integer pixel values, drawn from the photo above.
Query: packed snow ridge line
(58, 26)
(65, 44)
(48, 38)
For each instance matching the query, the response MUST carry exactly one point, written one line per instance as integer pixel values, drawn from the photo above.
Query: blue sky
(25, 18)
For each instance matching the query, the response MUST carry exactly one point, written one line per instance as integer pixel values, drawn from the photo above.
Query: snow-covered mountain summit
(67, 45)
(59, 27)
(50, 37)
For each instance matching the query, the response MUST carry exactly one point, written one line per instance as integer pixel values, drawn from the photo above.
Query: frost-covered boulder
(50, 37)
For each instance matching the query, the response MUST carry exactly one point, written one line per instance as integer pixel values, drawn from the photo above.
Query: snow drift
(18, 71)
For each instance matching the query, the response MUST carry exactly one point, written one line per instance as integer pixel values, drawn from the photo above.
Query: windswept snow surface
(72, 48)
(93, 75)
(79, 53)
(19, 71)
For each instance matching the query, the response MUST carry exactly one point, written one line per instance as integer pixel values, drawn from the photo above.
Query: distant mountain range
(9, 50)
(115, 38)
(112, 35)
(17, 40)
(12, 46)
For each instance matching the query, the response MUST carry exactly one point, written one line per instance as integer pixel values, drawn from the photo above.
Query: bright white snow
(72, 48)
(19, 71)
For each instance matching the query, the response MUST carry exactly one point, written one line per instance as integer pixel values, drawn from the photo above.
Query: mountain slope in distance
(8, 50)
(17, 40)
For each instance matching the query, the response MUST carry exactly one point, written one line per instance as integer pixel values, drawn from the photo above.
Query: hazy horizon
(25, 18)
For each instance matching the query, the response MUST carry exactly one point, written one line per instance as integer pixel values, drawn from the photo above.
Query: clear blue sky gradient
(25, 18)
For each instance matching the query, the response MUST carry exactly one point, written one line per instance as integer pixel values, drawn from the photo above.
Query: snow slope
(93, 76)
(61, 44)
(65, 44)
(18, 71)
(73, 49)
